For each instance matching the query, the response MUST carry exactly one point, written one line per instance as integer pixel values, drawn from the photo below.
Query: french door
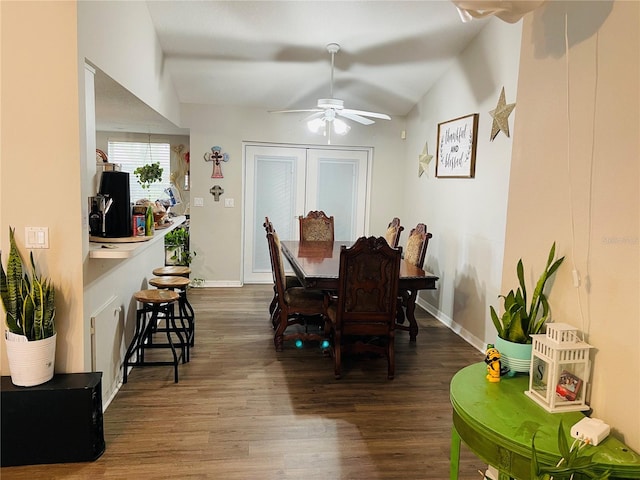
(283, 182)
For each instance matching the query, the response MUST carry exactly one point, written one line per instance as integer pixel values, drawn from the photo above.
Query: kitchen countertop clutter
(127, 247)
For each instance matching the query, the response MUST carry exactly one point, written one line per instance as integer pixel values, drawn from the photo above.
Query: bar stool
(172, 271)
(157, 305)
(185, 310)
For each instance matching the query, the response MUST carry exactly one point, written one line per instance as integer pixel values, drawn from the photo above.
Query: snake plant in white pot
(29, 303)
(523, 317)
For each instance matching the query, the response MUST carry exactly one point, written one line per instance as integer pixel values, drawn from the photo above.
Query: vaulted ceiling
(272, 55)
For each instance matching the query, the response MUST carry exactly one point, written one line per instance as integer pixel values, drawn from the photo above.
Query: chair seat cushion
(303, 298)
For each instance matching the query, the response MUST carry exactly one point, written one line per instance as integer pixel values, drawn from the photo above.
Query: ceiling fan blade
(318, 114)
(354, 117)
(383, 116)
(297, 111)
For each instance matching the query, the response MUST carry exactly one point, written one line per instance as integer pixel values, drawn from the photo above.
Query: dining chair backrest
(268, 226)
(368, 287)
(277, 265)
(392, 235)
(417, 243)
(316, 227)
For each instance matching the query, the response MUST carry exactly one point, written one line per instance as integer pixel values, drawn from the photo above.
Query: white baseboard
(221, 283)
(455, 328)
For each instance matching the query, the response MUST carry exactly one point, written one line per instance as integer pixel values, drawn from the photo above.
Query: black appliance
(59, 421)
(117, 221)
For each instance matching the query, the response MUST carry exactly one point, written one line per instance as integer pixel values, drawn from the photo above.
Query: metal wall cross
(216, 191)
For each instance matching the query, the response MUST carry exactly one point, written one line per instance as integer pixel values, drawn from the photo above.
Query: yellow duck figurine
(492, 359)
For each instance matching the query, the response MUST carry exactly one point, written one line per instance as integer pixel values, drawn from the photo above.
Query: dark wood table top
(317, 264)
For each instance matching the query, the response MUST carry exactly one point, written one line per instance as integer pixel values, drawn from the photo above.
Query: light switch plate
(198, 202)
(229, 203)
(36, 237)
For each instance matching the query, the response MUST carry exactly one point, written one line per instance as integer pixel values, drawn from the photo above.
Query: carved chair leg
(278, 338)
(337, 349)
(400, 311)
(275, 315)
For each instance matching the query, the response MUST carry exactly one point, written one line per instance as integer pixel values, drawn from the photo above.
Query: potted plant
(29, 302)
(523, 317)
(148, 174)
(572, 465)
(176, 245)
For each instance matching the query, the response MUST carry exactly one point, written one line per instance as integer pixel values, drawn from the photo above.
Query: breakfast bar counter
(130, 246)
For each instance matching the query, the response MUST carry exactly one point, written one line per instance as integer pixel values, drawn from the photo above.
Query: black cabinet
(59, 421)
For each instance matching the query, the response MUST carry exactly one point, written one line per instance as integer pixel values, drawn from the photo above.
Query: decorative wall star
(423, 160)
(501, 116)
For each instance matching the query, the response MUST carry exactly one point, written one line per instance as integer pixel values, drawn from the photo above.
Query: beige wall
(40, 182)
(467, 217)
(216, 232)
(575, 181)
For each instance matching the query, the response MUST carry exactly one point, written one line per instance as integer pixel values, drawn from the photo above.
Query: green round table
(497, 421)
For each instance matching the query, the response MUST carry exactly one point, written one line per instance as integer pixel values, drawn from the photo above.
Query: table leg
(411, 309)
(454, 464)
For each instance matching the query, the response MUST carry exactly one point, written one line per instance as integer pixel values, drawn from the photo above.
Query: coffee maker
(117, 219)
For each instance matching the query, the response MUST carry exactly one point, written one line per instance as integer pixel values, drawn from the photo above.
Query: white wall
(119, 38)
(216, 232)
(466, 216)
(575, 179)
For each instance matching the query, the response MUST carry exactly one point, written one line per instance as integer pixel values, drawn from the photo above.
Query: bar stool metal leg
(186, 314)
(156, 305)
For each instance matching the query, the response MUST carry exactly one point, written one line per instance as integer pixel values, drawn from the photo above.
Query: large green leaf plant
(523, 318)
(29, 300)
(572, 465)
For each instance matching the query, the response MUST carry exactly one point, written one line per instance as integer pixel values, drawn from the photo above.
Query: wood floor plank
(242, 411)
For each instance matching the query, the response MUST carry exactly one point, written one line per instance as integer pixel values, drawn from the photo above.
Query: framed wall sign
(457, 147)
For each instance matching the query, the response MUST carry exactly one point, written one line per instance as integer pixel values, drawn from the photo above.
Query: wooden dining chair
(415, 252)
(361, 317)
(392, 235)
(294, 305)
(316, 227)
(290, 280)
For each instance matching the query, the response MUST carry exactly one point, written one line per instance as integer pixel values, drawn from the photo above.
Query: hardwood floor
(243, 411)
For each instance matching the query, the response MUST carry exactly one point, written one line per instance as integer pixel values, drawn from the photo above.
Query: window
(136, 154)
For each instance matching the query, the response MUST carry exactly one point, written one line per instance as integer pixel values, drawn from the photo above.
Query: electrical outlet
(229, 203)
(198, 202)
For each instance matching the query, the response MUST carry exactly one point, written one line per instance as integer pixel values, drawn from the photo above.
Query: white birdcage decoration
(560, 369)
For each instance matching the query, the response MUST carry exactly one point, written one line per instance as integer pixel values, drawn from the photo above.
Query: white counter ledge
(121, 249)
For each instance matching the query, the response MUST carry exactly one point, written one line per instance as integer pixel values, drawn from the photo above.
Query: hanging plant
(148, 174)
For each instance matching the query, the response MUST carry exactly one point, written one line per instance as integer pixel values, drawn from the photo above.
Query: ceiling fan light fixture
(340, 127)
(324, 118)
(316, 125)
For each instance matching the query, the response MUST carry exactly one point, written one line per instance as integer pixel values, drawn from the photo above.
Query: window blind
(132, 155)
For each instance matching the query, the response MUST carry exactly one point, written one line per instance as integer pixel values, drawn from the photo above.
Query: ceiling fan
(331, 110)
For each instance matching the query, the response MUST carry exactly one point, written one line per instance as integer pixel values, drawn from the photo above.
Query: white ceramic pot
(30, 363)
(515, 356)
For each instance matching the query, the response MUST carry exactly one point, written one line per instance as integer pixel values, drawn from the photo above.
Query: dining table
(317, 265)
